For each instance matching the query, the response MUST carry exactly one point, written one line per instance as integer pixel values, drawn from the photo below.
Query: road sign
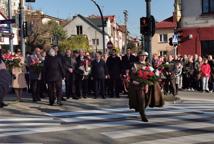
(8, 21)
(9, 35)
(175, 39)
(4, 28)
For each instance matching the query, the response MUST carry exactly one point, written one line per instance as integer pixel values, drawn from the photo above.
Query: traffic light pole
(22, 19)
(148, 37)
(10, 25)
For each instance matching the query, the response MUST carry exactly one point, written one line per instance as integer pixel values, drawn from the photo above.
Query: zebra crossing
(191, 122)
(10, 126)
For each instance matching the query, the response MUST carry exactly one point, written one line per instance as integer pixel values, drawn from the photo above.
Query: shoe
(3, 105)
(144, 119)
(85, 97)
(63, 99)
(59, 103)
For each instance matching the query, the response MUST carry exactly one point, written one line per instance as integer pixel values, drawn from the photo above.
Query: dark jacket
(68, 62)
(53, 69)
(99, 69)
(79, 62)
(114, 66)
(5, 81)
(128, 62)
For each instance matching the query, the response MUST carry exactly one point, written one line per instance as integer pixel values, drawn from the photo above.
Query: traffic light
(170, 41)
(152, 22)
(25, 29)
(144, 25)
(147, 25)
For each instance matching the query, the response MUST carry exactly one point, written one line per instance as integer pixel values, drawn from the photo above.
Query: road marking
(190, 139)
(162, 129)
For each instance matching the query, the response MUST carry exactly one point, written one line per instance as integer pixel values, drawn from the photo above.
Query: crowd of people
(97, 75)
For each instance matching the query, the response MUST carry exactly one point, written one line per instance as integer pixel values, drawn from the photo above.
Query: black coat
(68, 62)
(53, 69)
(98, 69)
(128, 62)
(114, 65)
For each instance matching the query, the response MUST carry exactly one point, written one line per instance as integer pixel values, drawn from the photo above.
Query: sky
(161, 9)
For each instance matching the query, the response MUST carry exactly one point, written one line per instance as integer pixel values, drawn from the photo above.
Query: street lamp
(103, 26)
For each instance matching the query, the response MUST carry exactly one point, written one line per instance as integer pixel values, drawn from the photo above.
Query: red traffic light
(144, 25)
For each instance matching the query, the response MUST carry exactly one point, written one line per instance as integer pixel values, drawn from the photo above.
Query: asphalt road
(109, 121)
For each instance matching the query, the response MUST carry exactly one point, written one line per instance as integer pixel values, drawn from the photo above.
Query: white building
(80, 25)
(5, 40)
(14, 6)
(92, 27)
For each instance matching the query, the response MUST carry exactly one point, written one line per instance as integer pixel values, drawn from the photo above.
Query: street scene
(106, 72)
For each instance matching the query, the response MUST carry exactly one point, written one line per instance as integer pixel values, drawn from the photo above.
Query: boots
(143, 117)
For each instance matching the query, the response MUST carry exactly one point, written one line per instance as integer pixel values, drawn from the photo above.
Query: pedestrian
(69, 73)
(99, 73)
(18, 71)
(5, 81)
(53, 74)
(35, 73)
(205, 74)
(137, 93)
(114, 65)
(81, 72)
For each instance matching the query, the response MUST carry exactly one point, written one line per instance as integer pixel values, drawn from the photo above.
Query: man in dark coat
(69, 69)
(5, 81)
(80, 82)
(99, 73)
(54, 73)
(128, 60)
(114, 65)
(35, 74)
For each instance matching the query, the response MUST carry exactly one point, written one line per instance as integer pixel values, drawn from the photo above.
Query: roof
(88, 21)
(166, 24)
(97, 21)
(111, 17)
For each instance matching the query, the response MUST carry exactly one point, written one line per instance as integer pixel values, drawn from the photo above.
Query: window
(79, 30)
(163, 53)
(95, 41)
(163, 38)
(207, 6)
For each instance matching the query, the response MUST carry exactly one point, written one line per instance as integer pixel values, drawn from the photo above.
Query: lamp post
(103, 26)
(10, 25)
(149, 36)
(22, 19)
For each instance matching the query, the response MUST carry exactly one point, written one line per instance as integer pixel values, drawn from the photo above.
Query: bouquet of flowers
(36, 65)
(147, 75)
(11, 60)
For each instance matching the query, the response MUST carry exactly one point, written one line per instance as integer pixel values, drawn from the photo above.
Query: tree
(75, 42)
(41, 34)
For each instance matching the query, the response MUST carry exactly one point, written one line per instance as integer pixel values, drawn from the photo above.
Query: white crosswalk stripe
(17, 125)
(189, 122)
(124, 125)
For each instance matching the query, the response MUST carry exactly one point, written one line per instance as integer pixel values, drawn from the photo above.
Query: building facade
(92, 27)
(160, 41)
(196, 26)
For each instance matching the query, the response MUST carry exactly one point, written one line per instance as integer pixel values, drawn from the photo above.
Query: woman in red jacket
(205, 74)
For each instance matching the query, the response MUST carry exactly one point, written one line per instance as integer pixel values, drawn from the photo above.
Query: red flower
(140, 74)
(151, 74)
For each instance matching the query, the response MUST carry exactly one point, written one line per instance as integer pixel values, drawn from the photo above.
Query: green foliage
(75, 42)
